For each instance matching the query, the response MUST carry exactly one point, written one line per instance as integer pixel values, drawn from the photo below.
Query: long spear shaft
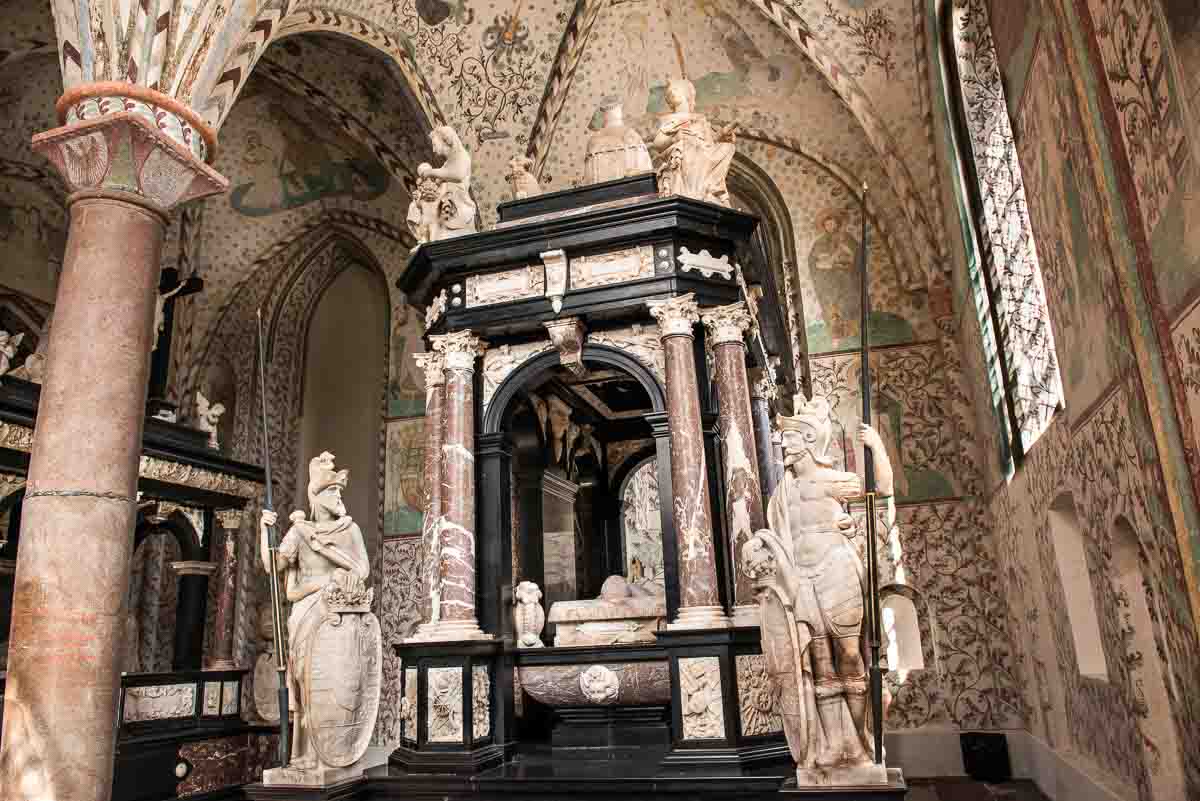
(872, 616)
(273, 541)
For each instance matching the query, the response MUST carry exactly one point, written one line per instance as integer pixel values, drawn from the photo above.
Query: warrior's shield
(784, 645)
(343, 680)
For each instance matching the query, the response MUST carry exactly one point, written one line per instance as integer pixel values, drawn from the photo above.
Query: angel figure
(208, 414)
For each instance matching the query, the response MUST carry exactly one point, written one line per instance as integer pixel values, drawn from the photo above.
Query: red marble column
(453, 599)
(727, 326)
(433, 363)
(60, 704)
(229, 523)
(699, 596)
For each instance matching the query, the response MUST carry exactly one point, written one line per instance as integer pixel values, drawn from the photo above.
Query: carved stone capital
(568, 335)
(460, 349)
(90, 101)
(727, 324)
(229, 519)
(434, 366)
(124, 155)
(761, 385)
(194, 568)
(676, 316)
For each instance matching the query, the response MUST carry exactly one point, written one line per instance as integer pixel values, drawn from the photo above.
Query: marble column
(453, 598)
(699, 595)
(744, 513)
(229, 524)
(434, 366)
(762, 394)
(123, 175)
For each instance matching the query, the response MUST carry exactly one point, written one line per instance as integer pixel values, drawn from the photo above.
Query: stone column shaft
(699, 594)
(760, 410)
(727, 326)
(225, 555)
(433, 364)
(453, 599)
(60, 704)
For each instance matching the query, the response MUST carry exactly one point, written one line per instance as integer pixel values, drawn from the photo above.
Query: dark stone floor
(968, 790)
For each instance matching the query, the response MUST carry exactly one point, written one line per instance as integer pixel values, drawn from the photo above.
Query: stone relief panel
(499, 363)
(641, 526)
(612, 268)
(506, 286)
(639, 341)
(758, 699)
(445, 705)
(408, 706)
(399, 614)
(159, 702)
(700, 694)
(481, 702)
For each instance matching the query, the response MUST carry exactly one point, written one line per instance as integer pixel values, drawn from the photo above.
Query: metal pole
(285, 731)
(872, 610)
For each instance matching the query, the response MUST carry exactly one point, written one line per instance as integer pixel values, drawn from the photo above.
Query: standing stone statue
(208, 417)
(615, 151)
(521, 178)
(811, 592)
(693, 156)
(441, 205)
(334, 645)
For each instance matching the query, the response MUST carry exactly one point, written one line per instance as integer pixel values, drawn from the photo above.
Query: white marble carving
(700, 694)
(445, 705)
(506, 286)
(641, 521)
(599, 684)
(335, 656)
(568, 334)
(212, 698)
(528, 616)
(408, 706)
(441, 205)
(481, 703)
(612, 268)
(616, 150)
(639, 341)
(229, 697)
(499, 362)
(693, 157)
(35, 363)
(437, 307)
(622, 614)
(208, 415)
(521, 178)
(811, 588)
(160, 702)
(8, 350)
(704, 263)
(266, 677)
(555, 262)
(758, 697)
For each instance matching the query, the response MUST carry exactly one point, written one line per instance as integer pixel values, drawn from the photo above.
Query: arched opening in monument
(901, 633)
(343, 393)
(1070, 553)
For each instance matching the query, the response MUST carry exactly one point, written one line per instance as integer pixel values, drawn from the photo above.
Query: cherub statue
(441, 205)
(521, 178)
(528, 616)
(207, 416)
(334, 647)
(616, 150)
(8, 349)
(812, 599)
(693, 156)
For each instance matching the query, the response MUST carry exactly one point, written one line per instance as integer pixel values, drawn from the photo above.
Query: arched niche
(164, 625)
(641, 524)
(1070, 554)
(221, 386)
(900, 624)
(1146, 687)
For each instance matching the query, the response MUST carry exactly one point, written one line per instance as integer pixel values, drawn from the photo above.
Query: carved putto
(812, 601)
(528, 616)
(441, 205)
(334, 650)
(521, 178)
(615, 151)
(599, 684)
(208, 415)
(693, 157)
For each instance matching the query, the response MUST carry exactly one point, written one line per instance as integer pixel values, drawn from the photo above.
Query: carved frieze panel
(641, 342)
(212, 698)
(444, 717)
(629, 264)
(502, 287)
(229, 698)
(499, 362)
(160, 702)
(758, 698)
(700, 691)
(481, 706)
(408, 706)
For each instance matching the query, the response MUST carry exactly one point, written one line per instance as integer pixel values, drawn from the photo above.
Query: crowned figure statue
(615, 150)
(812, 593)
(334, 657)
(693, 157)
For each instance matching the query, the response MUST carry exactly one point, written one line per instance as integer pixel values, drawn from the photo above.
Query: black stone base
(349, 790)
(610, 727)
(775, 752)
(463, 763)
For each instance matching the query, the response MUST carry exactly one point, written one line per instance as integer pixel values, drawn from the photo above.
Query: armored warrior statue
(334, 655)
(812, 591)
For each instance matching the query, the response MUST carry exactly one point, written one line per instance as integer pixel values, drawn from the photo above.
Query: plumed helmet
(321, 476)
(812, 419)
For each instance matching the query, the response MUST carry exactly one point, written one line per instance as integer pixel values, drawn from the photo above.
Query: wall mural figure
(832, 263)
